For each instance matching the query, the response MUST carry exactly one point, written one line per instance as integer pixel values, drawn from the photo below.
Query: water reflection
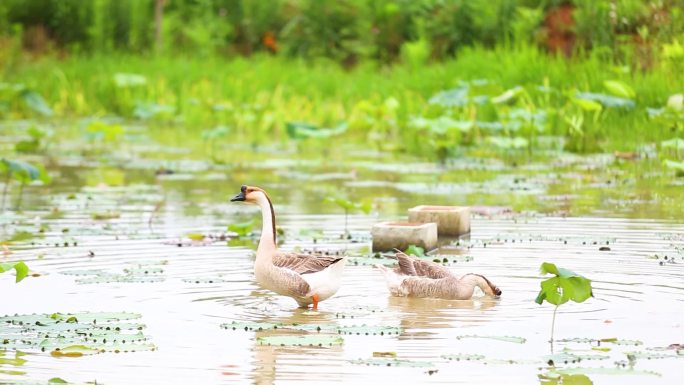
(427, 316)
(274, 362)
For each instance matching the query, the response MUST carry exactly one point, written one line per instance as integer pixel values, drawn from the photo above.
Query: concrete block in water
(450, 220)
(400, 235)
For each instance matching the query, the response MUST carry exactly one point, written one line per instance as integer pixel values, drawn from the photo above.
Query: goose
(425, 279)
(307, 278)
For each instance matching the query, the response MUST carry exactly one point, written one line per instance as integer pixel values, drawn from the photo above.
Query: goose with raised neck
(307, 278)
(426, 279)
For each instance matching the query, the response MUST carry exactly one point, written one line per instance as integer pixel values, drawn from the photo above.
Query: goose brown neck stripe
(270, 205)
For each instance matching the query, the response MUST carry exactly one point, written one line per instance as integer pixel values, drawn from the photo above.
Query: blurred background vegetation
(347, 31)
(423, 77)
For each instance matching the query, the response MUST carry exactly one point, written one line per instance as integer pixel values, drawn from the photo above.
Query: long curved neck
(467, 284)
(267, 242)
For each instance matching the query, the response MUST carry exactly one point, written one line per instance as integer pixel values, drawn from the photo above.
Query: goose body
(306, 278)
(425, 279)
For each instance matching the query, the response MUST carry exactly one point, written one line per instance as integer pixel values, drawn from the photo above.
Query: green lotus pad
(393, 362)
(513, 339)
(305, 340)
(74, 334)
(328, 328)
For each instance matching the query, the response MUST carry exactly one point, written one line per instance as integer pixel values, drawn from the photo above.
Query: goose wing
(304, 263)
(410, 265)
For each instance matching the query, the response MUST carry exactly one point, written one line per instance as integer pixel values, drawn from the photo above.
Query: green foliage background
(344, 30)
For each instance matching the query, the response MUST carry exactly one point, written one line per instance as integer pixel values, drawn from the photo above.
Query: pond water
(113, 233)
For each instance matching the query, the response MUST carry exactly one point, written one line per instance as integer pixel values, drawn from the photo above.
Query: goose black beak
(241, 196)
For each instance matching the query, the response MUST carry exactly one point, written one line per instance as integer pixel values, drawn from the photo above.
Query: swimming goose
(425, 279)
(307, 278)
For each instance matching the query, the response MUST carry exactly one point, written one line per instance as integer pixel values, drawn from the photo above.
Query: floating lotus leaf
(510, 361)
(463, 357)
(15, 361)
(147, 272)
(358, 311)
(120, 278)
(605, 100)
(566, 379)
(653, 355)
(328, 328)
(250, 326)
(143, 270)
(392, 362)
(370, 261)
(600, 371)
(513, 339)
(74, 334)
(578, 340)
(368, 330)
(13, 373)
(568, 358)
(204, 280)
(610, 340)
(305, 340)
(84, 272)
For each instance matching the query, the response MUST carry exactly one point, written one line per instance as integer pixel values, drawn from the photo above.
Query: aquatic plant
(365, 206)
(301, 130)
(141, 272)
(211, 138)
(22, 172)
(19, 267)
(367, 330)
(242, 228)
(415, 250)
(36, 143)
(74, 334)
(301, 340)
(375, 361)
(566, 285)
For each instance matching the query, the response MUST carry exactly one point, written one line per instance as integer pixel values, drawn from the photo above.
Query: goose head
(490, 288)
(249, 194)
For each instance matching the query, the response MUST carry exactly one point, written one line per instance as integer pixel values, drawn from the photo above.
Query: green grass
(256, 97)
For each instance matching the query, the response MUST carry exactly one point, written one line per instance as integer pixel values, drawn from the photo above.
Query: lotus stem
(553, 325)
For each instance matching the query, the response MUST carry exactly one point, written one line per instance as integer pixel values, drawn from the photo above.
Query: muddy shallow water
(113, 237)
(636, 298)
